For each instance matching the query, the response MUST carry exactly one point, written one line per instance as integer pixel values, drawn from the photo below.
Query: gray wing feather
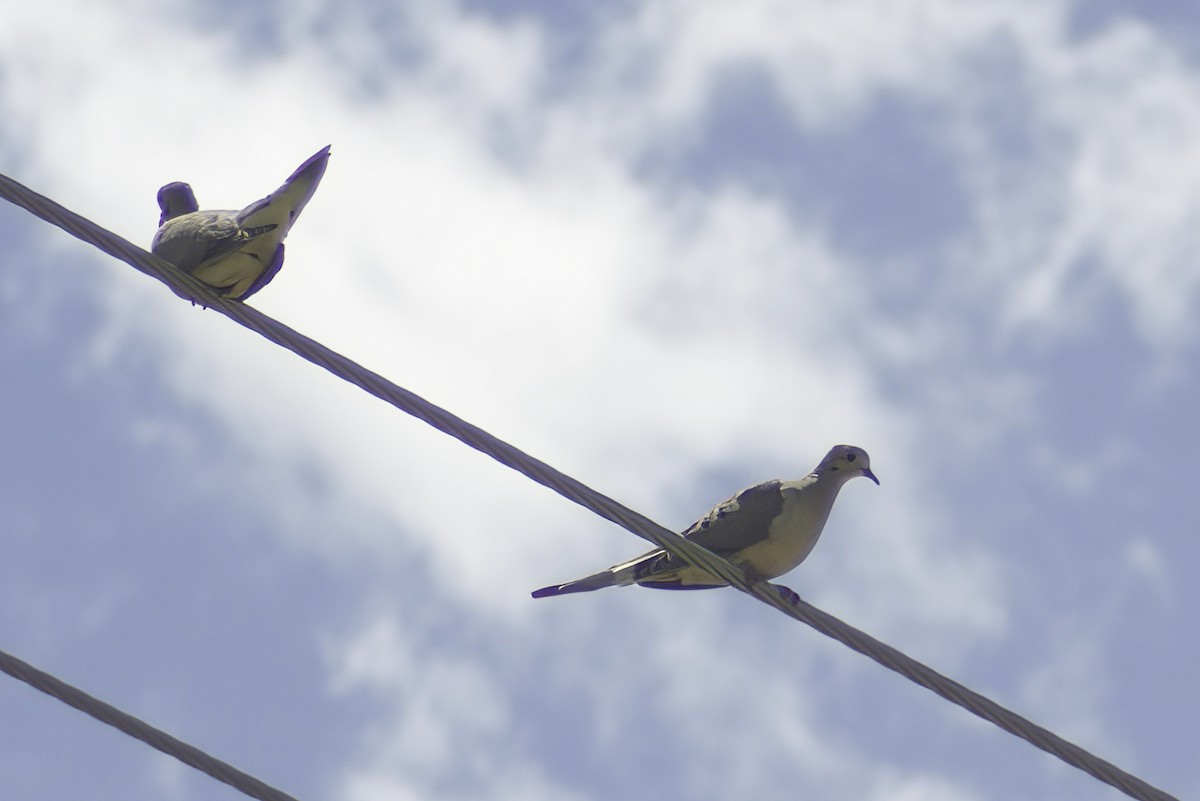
(740, 521)
(729, 527)
(192, 239)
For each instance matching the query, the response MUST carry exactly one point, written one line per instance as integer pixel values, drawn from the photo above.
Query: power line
(139, 729)
(187, 287)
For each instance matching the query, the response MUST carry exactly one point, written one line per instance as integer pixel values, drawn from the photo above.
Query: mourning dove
(235, 252)
(767, 529)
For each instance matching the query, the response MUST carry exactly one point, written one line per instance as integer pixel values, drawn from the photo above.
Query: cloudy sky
(673, 248)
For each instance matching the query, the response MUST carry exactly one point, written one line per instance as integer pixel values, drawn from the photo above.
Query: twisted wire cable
(139, 729)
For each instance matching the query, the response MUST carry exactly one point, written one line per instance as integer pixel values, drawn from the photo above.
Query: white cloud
(1111, 203)
(447, 728)
(924, 788)
(827, 60)
(1147, 563)
(1103, 202)
(1083, 473)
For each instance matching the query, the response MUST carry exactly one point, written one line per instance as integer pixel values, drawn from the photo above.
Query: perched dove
(767, 529)
(236, 252)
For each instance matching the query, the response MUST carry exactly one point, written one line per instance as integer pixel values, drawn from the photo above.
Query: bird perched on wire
(235, 252)
(767, 530)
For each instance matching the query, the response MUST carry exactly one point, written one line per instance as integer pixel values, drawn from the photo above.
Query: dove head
(846, 462)
(175, 199)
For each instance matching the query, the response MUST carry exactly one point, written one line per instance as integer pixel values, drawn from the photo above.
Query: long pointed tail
(301, 184)
(596, 581)
(284, 205)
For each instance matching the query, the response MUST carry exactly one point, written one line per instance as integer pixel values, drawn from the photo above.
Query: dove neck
(821, 488)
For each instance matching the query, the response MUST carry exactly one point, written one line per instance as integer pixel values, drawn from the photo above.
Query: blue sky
(674, 249)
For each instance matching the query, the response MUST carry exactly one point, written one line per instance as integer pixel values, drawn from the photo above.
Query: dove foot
(790, 595)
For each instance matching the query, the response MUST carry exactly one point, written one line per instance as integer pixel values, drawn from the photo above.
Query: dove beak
(866, 471)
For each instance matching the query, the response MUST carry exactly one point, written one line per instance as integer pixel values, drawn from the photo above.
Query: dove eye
(850, 457)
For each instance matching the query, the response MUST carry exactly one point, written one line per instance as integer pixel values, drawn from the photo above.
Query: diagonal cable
(139, 729)
(187, 287)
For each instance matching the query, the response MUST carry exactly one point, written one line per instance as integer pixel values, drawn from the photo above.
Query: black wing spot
(258, 230)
